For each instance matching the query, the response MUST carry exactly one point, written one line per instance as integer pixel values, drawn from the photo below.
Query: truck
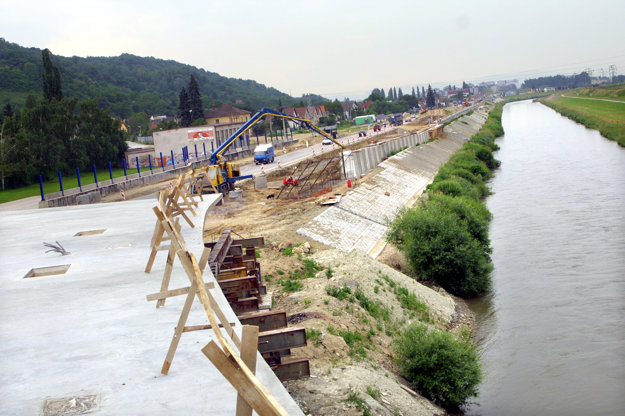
(264, 154)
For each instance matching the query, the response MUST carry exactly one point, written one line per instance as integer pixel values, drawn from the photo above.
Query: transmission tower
(589, 72)
(612, 70)
(602, 72)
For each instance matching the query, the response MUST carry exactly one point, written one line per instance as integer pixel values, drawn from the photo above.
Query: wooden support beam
(249, 340)
(191, 328)
(175, 292)
(245, 383)
(281, 339)
(266, 321)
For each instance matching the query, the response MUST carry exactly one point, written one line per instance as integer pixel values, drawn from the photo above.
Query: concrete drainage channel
(360, 219)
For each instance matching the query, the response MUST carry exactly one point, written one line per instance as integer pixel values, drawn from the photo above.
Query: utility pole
(612, 70)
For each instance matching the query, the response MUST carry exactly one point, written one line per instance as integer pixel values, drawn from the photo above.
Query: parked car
(362, 133)
(377, 127)
(326, 141)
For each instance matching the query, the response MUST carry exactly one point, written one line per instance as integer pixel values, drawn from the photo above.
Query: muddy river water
(551, 333)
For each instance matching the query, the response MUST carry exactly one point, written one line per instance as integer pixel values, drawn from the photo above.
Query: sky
(338, 48)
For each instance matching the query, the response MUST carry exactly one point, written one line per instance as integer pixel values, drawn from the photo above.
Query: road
(594, 99)
(281, 159)
(290, 158)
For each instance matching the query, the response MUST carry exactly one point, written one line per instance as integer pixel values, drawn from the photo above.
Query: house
(348, 108)
(156, 120)
(225, 114)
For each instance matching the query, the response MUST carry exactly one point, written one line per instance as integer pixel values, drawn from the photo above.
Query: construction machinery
(223, 174)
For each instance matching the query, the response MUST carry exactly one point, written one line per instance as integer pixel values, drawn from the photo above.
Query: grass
(314, 336)
(341, 293)
(355, 399)
(605, 116)
(52, 186)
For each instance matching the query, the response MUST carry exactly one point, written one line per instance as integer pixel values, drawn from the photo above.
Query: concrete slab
(90, 331)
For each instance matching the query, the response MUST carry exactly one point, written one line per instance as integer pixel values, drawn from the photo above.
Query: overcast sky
(338, 48)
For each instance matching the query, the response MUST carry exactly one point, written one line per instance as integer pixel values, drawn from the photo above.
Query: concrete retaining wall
(360, 220)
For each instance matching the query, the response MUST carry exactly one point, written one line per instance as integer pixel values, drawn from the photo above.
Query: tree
(430, 100)
(335, 107)
(375, 97)
(382, 93)
(7, 111)
(138, 123)
(51, 78)
(184, 108)
(422, 92)
(195, 100)
(413, 93)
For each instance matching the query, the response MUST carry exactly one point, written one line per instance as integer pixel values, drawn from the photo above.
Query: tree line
(55, 133)
(129, 84)
(560, 82)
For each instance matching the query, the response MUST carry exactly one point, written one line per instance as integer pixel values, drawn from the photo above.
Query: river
(551, 333)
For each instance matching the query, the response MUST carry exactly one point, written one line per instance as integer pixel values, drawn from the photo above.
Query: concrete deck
(91, 331)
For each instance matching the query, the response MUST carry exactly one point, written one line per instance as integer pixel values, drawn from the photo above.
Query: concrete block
(260, 182)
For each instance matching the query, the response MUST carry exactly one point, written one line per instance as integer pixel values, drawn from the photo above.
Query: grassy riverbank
(605, 116)
(445, 239)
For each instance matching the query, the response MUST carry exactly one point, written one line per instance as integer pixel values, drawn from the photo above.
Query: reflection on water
(552, 332)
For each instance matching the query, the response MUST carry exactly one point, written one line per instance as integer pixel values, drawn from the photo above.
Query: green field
(69, 182)
(605, 116)
(607, 110)
(610, 92)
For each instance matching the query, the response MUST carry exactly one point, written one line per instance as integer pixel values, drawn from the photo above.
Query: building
(225, 120)
(142, 153)
(226, 114)
(348, 109)
(174, 141)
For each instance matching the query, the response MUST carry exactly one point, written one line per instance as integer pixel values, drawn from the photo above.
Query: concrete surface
(91, 331)
(360, 220)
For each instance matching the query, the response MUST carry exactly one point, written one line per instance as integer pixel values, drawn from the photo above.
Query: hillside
(128, 84)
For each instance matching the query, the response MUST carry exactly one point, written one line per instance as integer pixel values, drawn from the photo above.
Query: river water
(551, 333)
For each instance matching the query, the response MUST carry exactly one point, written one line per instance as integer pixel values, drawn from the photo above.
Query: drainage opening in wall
(90, 232)
(47, 271)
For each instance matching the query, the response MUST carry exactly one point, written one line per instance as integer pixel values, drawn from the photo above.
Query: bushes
(445, 239)
(439, 246)
(443, 368)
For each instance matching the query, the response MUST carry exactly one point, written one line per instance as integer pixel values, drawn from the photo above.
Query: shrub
(473, 213)
(310, 268)
(445, 369)
(439, 247)
(341, 293)
(447, 187)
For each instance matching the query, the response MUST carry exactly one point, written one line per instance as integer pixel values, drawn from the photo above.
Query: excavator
(223, 174)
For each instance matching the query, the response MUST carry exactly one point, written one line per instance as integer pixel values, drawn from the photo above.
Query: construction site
(205, 295)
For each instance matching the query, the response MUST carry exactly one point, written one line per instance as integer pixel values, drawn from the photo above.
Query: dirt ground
(349, 342)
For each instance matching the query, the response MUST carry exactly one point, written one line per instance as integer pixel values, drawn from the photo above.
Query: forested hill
(128, 84)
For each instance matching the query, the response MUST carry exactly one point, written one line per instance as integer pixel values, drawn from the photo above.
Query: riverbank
(606, 116)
